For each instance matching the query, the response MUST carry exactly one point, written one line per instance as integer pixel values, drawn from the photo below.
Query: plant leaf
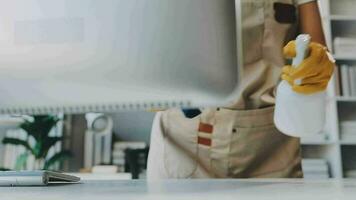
(47, 144)
(18, 142)
(30, 129)
(58, 157)
(40, 127)
(37, 149)
(21, 161)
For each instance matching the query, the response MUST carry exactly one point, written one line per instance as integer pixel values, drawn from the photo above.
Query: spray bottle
(296, 114)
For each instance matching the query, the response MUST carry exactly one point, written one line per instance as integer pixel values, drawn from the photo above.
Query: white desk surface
(188, 189)
(101, 177)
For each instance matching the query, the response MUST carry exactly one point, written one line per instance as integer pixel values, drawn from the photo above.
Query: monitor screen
(108, 55)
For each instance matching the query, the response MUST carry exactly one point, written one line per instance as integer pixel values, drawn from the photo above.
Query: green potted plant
(38, 129)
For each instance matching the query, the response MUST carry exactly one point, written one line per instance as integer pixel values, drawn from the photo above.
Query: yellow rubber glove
(313, 74)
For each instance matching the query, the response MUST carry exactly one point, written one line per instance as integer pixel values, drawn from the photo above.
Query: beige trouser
(221, 143)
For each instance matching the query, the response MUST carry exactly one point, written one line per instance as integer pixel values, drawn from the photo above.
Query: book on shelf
(350, 174)
(132, 145)
(104, 169)
(348, 80)
(315, 168)
(345, 84)
(118, 154)
(345, 46)
(348, 130)
(352, 73)
(337, 81)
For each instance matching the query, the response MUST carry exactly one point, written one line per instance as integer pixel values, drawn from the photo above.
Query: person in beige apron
(240, 140)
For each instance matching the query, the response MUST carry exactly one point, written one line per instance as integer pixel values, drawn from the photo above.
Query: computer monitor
(108, 55)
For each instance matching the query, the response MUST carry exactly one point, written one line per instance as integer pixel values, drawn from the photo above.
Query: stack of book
(350, 174)
(345, 46)
(348, 80)
(315, 168)
(348, 130)
(118, 154)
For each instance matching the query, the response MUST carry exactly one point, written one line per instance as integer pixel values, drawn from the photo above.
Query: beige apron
(239, 141)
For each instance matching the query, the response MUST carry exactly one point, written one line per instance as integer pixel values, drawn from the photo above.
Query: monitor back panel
(89, 55)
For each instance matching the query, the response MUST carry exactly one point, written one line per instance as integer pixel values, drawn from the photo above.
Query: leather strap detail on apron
(204, 134)
(205, 128)
(204, 141)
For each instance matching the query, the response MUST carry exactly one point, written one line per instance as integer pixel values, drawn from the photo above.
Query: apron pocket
(180, 144)
(263, 152)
